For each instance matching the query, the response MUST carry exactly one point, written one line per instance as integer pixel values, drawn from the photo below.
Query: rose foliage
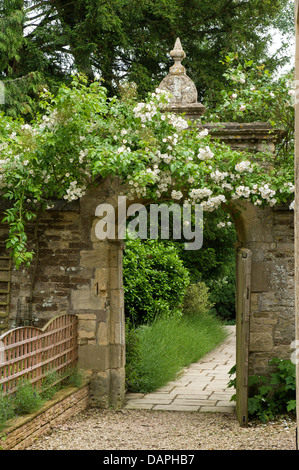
(254, 94)
(83, 136)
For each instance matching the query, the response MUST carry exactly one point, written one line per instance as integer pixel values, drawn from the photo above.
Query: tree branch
(34, 7)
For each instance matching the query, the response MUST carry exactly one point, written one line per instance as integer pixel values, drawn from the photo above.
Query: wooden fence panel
(31, 353)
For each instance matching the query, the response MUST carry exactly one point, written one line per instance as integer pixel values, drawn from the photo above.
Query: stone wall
(57, 271)
(77, 273)
(272, 296)
(269, 234)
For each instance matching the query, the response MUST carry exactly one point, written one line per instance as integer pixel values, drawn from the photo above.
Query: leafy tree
(254, 94)
(214, 263)
(219, 237)
(19, 67)
(46, 40)
(11, 35)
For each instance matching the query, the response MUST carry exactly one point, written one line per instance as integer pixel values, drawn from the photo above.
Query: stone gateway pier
(79, 274)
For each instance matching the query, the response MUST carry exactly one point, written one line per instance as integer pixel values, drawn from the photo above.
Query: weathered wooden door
(243, 285)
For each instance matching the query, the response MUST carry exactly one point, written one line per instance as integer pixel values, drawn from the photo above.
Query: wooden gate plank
(243, 289)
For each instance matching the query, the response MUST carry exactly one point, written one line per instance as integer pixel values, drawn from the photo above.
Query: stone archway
(266, 233)
(84, 273)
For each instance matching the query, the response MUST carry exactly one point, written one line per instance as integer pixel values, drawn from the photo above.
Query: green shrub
(51, 385)
(217, 251)
(6, 409)
(274, 395)
(214, 264)
(54, 382)
(26, 399)
(74, 378)
(223, 295)
(155, 280)
(197, 299)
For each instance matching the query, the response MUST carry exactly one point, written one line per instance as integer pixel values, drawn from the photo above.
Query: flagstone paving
(202, 386)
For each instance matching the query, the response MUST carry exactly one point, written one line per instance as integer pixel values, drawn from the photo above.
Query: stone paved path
(200, 387)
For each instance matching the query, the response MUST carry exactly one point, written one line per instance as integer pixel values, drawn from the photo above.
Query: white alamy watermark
(2, 93)
(167, 221)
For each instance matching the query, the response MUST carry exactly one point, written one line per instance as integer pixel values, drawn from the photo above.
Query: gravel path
(166, 430)
(96, 429)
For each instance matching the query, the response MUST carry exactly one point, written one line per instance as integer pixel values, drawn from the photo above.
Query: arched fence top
(48, 325)
(30, 353)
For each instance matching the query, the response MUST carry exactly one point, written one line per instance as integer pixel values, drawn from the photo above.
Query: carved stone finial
(181, 87)
(178, 55)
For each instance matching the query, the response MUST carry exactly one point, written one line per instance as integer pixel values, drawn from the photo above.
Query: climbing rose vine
(253, 94)
(83, 135)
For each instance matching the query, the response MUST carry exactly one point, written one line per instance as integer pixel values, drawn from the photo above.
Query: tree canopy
(42, 42)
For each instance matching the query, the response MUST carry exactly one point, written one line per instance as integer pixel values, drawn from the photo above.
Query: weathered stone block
(254, 302)
(99, 390)
(117, 356)
(85, 335)
(116, 278)
(268, 301)
(261, 340)
(94, 258)
(103, 334)
(117, 387)
(94, 356)
(260, 277)
(86, 300)
(117, 333)
(87, 326)
(116, 299)
(86, 316)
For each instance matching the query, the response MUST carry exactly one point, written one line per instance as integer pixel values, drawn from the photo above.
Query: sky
(290, 51)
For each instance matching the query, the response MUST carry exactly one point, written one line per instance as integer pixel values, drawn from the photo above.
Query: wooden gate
(243, 288)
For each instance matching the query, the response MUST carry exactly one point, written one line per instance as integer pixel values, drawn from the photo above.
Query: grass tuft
(168, 345)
